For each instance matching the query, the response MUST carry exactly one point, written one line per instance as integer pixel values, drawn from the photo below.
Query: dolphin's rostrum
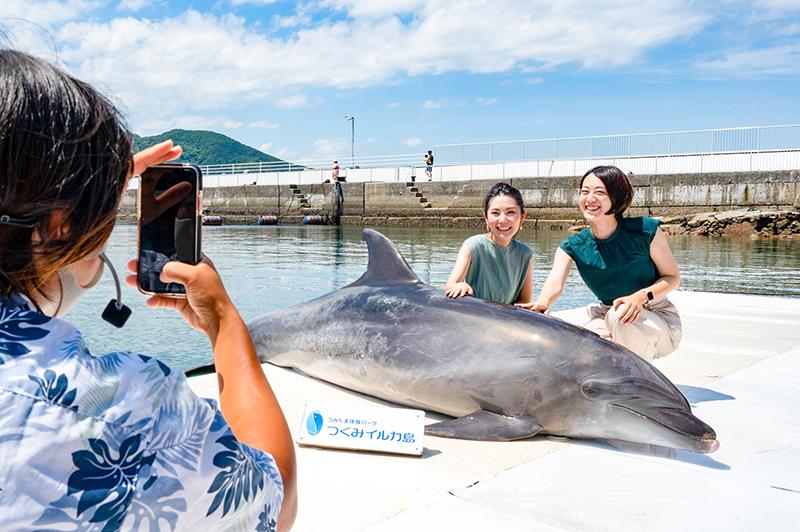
(502, 372)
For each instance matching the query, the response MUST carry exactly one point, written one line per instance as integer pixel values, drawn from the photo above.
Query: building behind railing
(747, 149)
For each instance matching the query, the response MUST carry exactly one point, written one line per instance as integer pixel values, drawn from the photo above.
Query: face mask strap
(60, 295)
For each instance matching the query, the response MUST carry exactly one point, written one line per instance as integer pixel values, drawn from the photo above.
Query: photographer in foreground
(119, 440)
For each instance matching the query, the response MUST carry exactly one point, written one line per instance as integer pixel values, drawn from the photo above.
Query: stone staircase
(299, 196)
(412, 188)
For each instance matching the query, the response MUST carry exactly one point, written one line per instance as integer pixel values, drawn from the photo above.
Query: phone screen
(169, 223)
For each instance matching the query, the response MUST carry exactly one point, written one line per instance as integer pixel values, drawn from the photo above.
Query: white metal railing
(673, 143)
(714, 150)
(671, 164)
(378, 161)
(659, 145)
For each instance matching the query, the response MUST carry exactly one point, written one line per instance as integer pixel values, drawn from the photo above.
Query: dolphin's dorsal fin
(386, 263)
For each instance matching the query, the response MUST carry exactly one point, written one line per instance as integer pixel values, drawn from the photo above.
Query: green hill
(208, 147)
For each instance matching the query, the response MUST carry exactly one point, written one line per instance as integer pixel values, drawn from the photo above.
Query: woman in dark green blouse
(625, 262)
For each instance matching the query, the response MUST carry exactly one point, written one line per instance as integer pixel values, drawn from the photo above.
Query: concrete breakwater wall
(550, 201)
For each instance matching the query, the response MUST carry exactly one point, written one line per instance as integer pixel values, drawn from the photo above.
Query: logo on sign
(314, 423)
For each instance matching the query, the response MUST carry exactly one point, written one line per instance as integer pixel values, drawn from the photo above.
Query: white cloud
(164, 61)
(413, 141)
(775, 61)
(371, 8)
(255, 2)
(27, 25)
(433, 104)
(133, 5)
(787, 5)
(294, 101)
(155, 125)
(282, 153)
(528, 69)
(197, 61)
(393, 105)
(291, 21)
(788, 31)
(301, 17)
(444, 35)
(324, 148)
(480, 100)
(534, 81)
(46, 12)
(263, 124)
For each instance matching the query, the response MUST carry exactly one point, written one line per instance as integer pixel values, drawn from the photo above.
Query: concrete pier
(739, 366)
(550, 201)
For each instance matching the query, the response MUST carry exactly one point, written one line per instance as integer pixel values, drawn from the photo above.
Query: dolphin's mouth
(694, 433)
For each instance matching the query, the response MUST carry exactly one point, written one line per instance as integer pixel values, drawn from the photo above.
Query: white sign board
(381, 429)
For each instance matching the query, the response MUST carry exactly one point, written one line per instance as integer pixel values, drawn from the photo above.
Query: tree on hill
(209, 147)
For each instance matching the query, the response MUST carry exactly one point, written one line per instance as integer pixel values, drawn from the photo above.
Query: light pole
(352, 120)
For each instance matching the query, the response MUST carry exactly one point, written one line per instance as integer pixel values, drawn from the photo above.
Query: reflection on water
(269, 267)
(768, 267)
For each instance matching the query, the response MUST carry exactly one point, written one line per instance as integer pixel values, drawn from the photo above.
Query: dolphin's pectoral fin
(486, 426)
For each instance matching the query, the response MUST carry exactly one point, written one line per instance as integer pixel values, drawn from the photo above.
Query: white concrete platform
(739, 366)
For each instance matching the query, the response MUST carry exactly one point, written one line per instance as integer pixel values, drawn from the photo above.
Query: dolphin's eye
(589, 392)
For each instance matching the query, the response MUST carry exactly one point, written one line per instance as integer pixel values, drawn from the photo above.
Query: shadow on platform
(658, 451)
(696, 394)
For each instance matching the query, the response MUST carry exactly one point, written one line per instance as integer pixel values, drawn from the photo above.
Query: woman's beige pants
(656, 333)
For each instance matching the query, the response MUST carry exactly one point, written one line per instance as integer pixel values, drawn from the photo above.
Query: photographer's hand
(206, 302)
(157, 154)
(246, 398)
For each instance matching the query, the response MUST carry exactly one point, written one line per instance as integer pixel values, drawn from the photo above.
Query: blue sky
(280, 76)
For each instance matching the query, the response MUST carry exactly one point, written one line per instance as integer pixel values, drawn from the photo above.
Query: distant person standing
(338, 195)
(429, 165)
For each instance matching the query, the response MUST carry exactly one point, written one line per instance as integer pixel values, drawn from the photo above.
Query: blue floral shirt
(116, 441)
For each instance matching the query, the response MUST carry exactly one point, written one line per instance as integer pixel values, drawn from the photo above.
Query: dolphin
(503, 373)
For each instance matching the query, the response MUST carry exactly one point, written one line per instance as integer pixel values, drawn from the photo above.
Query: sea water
(271, 267)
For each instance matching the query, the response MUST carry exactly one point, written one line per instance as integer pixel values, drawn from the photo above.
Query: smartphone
(169, 207)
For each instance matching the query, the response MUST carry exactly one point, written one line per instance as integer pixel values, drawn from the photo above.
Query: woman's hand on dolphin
(459, 290)
(535, 307)
(630, 307)
(206, 304)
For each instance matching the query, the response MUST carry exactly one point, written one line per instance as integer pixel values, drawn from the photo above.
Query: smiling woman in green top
(494, 265)
(626, 262)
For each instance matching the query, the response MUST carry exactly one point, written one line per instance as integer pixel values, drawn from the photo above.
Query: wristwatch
(649, 294)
